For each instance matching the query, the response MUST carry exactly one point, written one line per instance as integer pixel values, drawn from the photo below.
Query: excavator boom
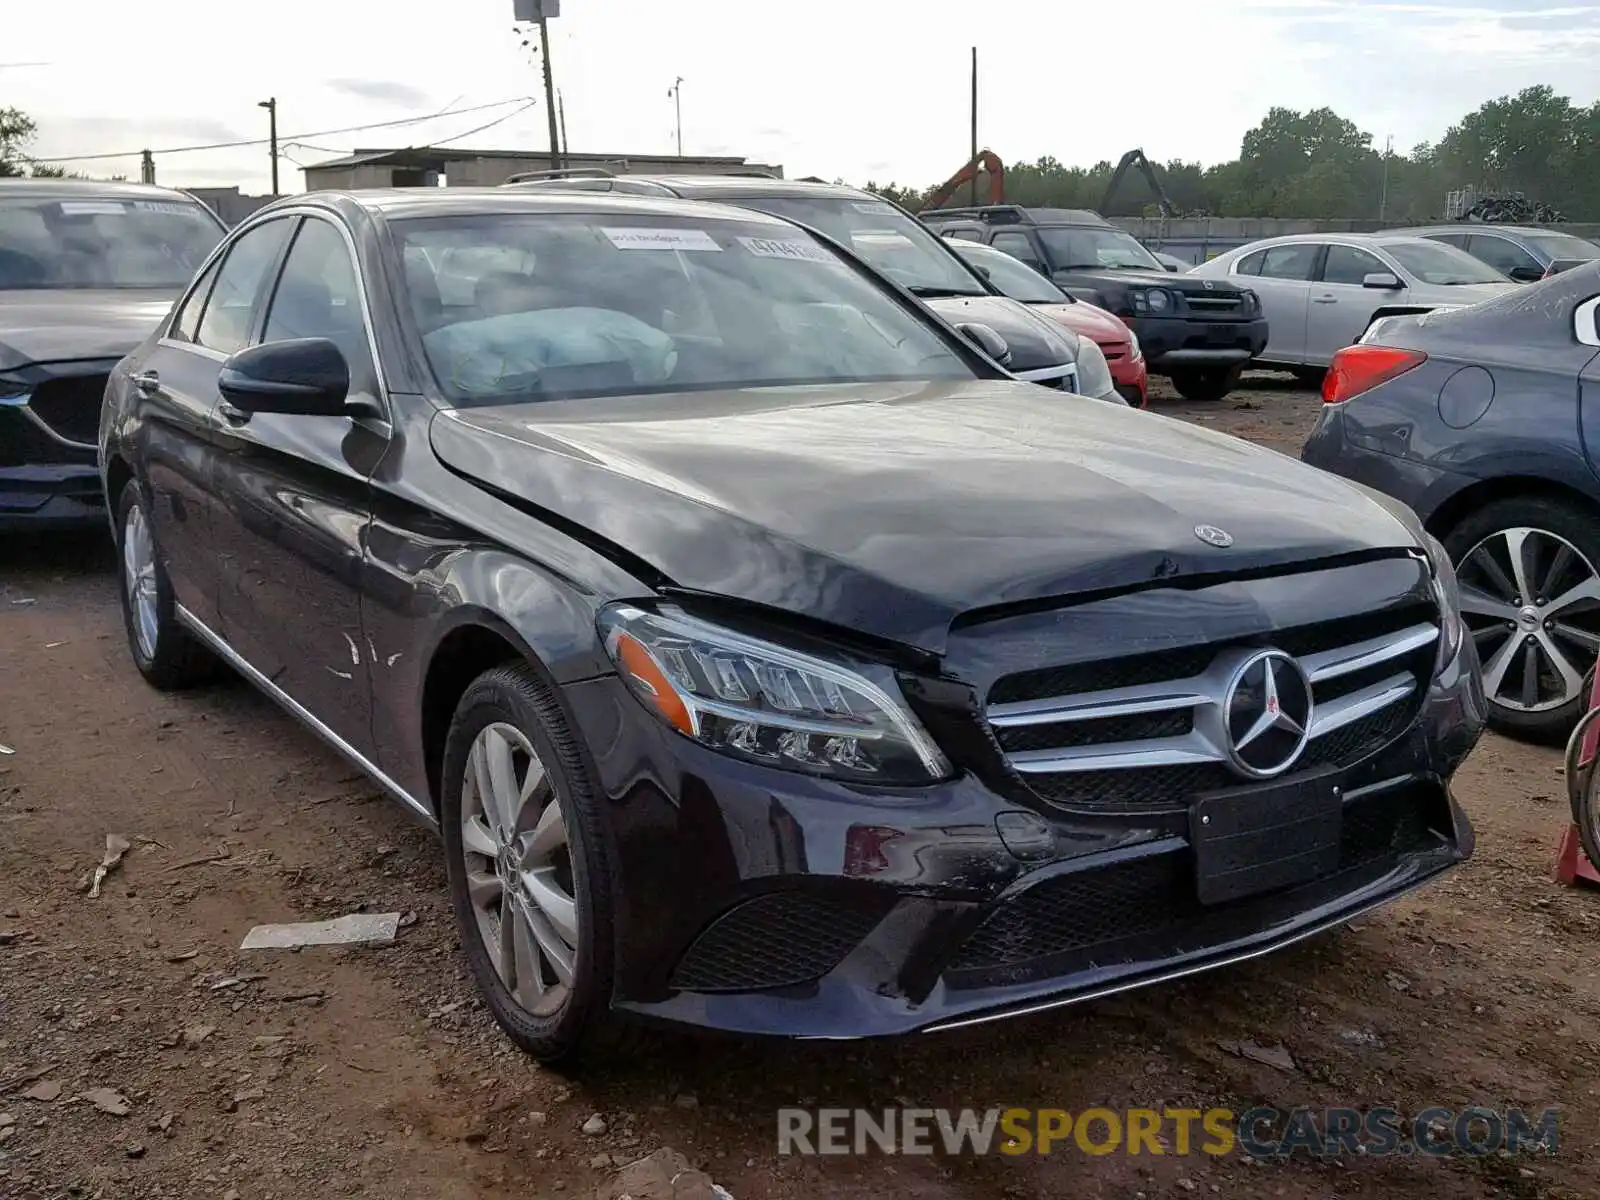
(986, 161)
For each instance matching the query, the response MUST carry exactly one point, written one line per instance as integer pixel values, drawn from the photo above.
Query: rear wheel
(1530, 595)
(1204, 385)
(525, 857)
(1310, 377)
(166, 653)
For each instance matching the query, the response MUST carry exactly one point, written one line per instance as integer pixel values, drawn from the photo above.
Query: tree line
(1318, 165)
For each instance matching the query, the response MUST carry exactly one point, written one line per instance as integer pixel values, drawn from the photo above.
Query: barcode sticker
(784, 248)
(661, 239)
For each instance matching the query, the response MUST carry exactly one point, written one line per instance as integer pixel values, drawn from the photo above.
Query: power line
(487, 125)
(526, 101)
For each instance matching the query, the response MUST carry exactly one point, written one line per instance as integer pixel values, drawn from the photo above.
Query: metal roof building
(429, 166)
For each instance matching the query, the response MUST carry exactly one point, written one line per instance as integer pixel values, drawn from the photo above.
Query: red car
(1106, 330)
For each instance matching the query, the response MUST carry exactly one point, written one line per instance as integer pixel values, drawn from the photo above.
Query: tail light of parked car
(1357, 369)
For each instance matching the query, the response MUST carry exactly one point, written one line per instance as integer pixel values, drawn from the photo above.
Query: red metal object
(1572, 863)
(987, 163)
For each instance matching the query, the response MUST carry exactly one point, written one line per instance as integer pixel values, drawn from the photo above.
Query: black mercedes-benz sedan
(768, 659)
(87, 270)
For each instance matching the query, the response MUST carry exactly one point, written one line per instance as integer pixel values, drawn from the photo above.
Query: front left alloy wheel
(529, 881)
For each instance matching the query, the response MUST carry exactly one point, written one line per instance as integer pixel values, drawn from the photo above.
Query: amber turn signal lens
(652, 683)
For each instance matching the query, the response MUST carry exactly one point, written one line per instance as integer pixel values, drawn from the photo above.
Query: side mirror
(983, 270)
(987, 340)
(1383, 281)
(1173, 267)
(1526, 274)
(305, 377)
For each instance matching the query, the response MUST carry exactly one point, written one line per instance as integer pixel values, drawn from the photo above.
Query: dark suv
(1199, 333)
(86, 271)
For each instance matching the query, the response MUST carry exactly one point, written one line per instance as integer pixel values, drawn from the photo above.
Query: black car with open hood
(768, 658)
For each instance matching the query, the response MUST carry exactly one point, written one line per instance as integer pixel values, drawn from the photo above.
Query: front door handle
(231, 413)
(1325, 300)
(146, 381)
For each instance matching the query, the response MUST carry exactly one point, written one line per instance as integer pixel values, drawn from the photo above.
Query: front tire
(1206, 385)
(529, 879)
(166, 653)
(1530, 595)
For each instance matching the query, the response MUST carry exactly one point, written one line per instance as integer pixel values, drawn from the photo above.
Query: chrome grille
(1143, 733)
(68, 407)
(1213, 305)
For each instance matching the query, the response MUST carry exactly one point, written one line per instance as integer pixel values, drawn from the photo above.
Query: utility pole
(1383, 196)
(561, 107)
(676, 93)
(147, 167)
(272, 127)
(974, 154)
(556, 157)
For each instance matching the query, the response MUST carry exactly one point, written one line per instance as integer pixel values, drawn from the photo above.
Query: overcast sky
(863, 89)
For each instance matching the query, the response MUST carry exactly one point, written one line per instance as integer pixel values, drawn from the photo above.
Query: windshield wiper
(926, 292)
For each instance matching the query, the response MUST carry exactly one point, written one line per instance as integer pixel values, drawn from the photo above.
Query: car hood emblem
(1267, 711)
(1212, 536)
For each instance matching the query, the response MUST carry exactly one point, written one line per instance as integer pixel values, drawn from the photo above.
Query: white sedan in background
(1320, 291)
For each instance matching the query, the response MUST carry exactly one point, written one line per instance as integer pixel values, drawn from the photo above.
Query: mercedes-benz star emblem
(1208, 284)
(1212, 536)
(1267, 709)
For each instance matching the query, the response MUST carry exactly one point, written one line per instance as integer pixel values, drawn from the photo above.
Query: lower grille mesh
(778, 940)
(70, 406)
(1075, 913)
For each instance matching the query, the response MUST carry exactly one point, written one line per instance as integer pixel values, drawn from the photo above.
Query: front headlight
(768, 704)
(12, 389)
(1135, 351)
(1094, 375)
(1448, 593)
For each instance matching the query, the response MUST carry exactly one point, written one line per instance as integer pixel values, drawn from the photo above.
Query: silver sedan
(1320, 291)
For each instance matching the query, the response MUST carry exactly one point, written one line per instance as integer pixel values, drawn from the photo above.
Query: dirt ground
(373, 1072)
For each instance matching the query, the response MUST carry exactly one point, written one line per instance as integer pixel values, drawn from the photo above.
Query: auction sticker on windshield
(779, 248)
(876, 207)
(661, 239)
(163, 206)
(91, 208)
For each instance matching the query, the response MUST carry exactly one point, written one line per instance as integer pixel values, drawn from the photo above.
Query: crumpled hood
(892, 508)
(40, 326)
(1034, 341)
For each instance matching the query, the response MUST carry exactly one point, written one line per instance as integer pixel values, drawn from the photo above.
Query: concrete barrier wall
(1200, 238)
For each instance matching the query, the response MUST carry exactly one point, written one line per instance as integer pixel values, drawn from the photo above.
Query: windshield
(528, 307)
(1093, 249)
(1013, 277)
(68, 242)
(1564, 247)
(904, 249)
(1440, 264)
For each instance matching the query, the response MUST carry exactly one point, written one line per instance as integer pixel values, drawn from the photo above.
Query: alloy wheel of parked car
(166, 654)
(1530, 594)
(519, 868)
(527, 866)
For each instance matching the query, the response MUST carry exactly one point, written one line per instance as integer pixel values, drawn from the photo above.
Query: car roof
(1487, 227)
(1354, 239)
(89, 189)
(751, 185)
(403, 203)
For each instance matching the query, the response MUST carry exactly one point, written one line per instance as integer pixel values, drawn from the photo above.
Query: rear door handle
(1325, 300)
(146, 381)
